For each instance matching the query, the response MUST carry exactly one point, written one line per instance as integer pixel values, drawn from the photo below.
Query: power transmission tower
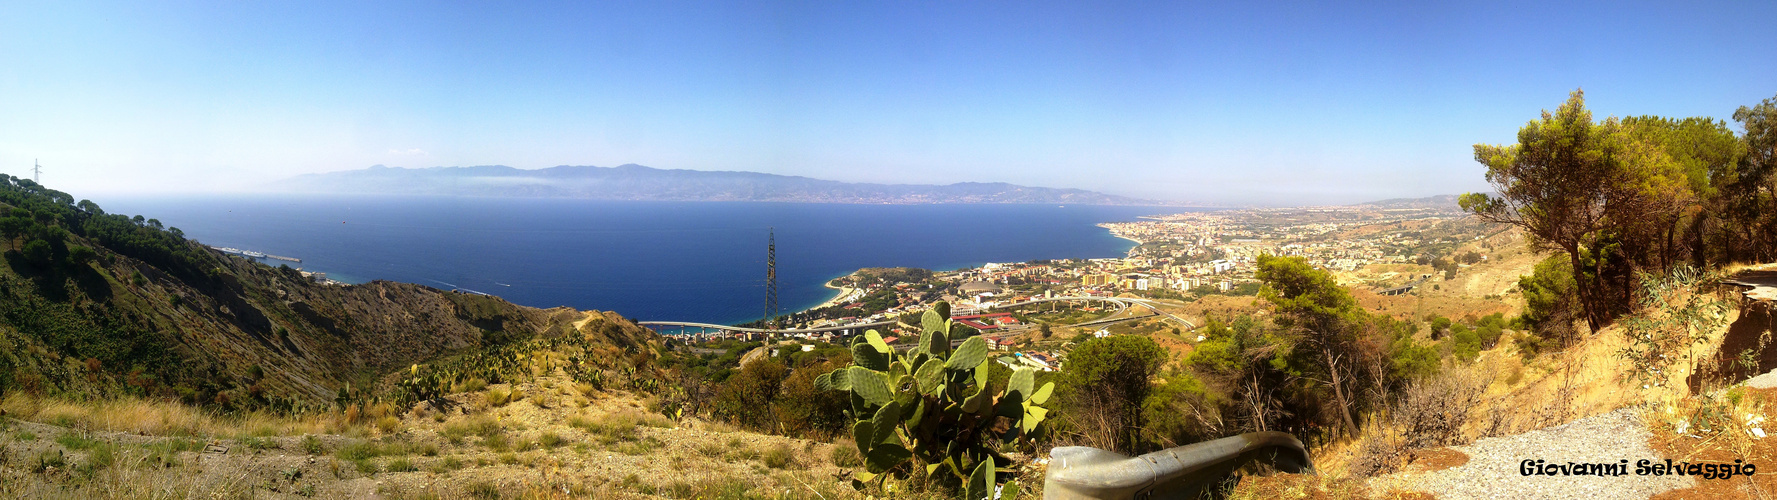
(36, 172)
(771, 280)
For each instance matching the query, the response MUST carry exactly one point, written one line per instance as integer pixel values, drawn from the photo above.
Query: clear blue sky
(1250, 102)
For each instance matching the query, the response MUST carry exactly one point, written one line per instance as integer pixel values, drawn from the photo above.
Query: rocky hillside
(94, 303)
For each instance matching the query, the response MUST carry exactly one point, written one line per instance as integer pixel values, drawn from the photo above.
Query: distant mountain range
(1441, 203)
(636, 182)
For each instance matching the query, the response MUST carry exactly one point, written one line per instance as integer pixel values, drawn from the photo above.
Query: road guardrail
(1081, 472)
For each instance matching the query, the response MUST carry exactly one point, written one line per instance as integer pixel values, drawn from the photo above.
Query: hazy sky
(1251, 102)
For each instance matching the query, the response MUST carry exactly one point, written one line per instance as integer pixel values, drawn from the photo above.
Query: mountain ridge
(93, 303)
(641, 183)
(1442, 202)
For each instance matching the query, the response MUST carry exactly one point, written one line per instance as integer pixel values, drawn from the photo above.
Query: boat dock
(254, 255)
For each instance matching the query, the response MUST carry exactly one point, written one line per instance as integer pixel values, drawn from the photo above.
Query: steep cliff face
(94, 303)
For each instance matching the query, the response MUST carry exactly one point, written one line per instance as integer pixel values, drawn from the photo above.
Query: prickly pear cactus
(935, 404)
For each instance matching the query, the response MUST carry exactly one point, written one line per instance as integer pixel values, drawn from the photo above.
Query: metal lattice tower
(771, 280)
(36, 172)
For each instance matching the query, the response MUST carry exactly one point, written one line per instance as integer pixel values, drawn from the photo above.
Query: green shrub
(357, 451)
(549, 440)
(46, 459)
(165, 453)
(101, 457)
(311, 445)
(75, 442)
(745, 398)
(1465, 345)
(257, 443)
(1551, 301)
(1108, 380)
(1489, 335)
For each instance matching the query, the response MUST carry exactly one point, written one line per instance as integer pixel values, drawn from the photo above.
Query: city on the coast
(1036, 311)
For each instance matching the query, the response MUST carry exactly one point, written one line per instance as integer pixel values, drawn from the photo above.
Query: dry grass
(1719, 429)
(498, 397)
(158, 418)
(780, 457)
(1309, 486)
(127, 481)
(845, 454)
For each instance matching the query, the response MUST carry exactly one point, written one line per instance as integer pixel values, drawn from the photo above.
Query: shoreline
(1137, 242)
(1131, 250)
(1107, 228)
(844, 291)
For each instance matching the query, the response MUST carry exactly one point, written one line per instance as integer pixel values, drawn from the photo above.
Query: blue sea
(681, 261)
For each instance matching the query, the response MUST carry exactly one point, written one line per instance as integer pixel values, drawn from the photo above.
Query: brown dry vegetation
(1586, 379)
(1729, 439)
(1220, 306)
(1477, 290)
(613, 447)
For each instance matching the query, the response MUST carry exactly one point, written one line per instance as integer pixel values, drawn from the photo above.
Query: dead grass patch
(1319, 486)
(1719, 430)
(157, 418)
(1434, 459)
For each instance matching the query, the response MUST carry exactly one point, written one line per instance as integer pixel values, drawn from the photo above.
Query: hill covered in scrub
(93, 303)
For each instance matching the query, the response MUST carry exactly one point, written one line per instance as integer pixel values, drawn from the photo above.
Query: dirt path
(1493, 469)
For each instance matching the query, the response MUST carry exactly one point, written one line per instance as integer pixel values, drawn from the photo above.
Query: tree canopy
(1622, 197)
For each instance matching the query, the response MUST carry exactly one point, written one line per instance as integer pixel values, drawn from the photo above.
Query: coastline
(1108, 229)
(1131, 250)
(1119, 236)
(843, 292)
(697, 284)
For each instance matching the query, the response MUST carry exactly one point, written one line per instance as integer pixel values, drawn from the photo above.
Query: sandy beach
(844, 291)
(1138, 243)
(1108, 227)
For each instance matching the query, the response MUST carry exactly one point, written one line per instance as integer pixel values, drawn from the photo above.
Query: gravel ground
(1492, 470)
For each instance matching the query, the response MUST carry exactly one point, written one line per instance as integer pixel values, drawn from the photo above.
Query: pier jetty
(253, 255)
